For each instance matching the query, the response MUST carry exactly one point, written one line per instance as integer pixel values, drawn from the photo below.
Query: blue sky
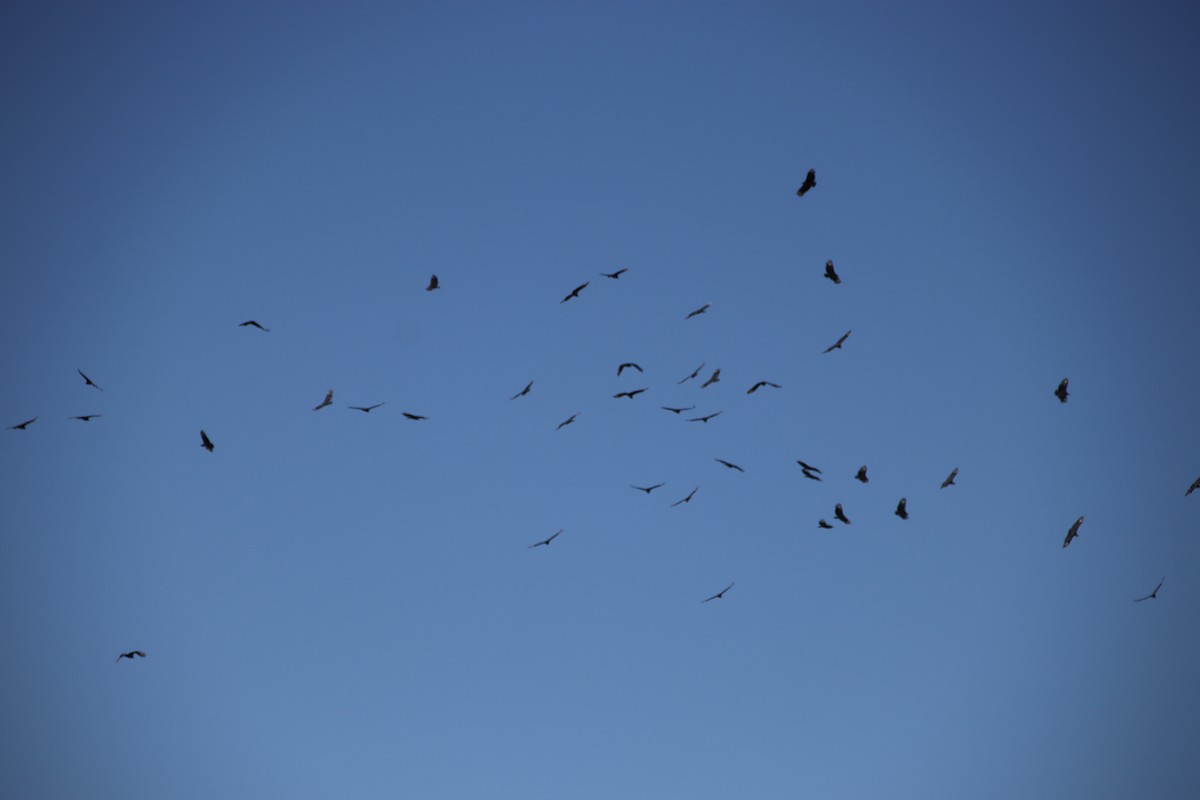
(339, 604)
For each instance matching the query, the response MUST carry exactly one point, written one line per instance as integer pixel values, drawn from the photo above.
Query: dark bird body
(365, 409)
(823, 524)
(328, 401)
(87, 381)
(629, 364)
(631, 394)
(728, 464)
(413, 416)
(523, 392)
(838, 344)
(687, 499)
(1153, 595)
(698, 311)
(677, 410)
(131, 654)
(861, 475)
(841, 515)
(567, 421)
(715, 378)
(695, 372)
(1061, 392)
(575, 292)
(719, 594)
(807, 467)
(205, 442)
(433, 283)
(705, 418)
(87, 417)
(553, 536)
(901, 508)
(647, 489)
(23, 425)
(615, 275)
(831, 273)
(761, 384)
(950, 479)
(1071, 534)
(252, 324)
(810, 180)
(1195, 485)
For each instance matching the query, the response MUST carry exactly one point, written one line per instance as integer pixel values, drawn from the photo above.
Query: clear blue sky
(339, 604)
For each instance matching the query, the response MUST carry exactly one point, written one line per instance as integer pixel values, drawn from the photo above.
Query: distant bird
(901, 508)
(841, 515)
(631, 394)
(838, 344)
(131, 654)
(553, 536)
(705, 418)
(328, 401)
(621, 368)
(88, 381)
(1061, 392)
(205, 442)
(950, 479)
(1153, 595)
(861, 475)
(411, 416)
(677, 410)
(719, 594)
(823, 524)
(687, 499)
(433, 283)
(810, 180)
(807, 467)
(715, 378)
(699, 310)
(575, 292)
(728, 464)
(1192, 488)
(831, 273)
(811, 476)
(617, 274)
(647, 489)
(1071, 534)
(523, 392)
(567, 421)
(23, 425)
(365, 409)
(761, 384)
(252, 324)
(87, 417)
(695, 372)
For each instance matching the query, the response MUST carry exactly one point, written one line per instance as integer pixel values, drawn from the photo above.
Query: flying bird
(617, 274)
(1193, 487)
(1071, 534)
(728, 464)
(621, 368)
(647, 489)
(705, 418)
(88, 381)
(716, 378)
(677, 410)
(901, 508)
(328, 401)
(131, 654)
(719, 594)
(695, 372)
(950, 479)
(810, 180)
(1061, 392)
(87, 417)
(687, 499)
(631, 394)
(205, 442)
(252, 324)
(23, 425)
(810, 475)
(553, 536)
(567, 421)
(831, 273)
(433, 284)
(411, 416)
(1153, 595)
(837, 345)
(523, 392)
(807, 467)
(699, 310)
(823, 524)
(861, 475)
(574, 292)
(761, 384)
(841, 515)
(365, 409)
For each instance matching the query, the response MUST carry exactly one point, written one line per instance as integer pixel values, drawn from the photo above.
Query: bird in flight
(23, 425)
(950, 479)
(841, 515)
(811, 476)
(901, 508)
(728, 464)
(131, 654)
(574, 292)
(205, 442)
(699, 310)
(810, 180)
(617, 274)
(705, 418)
(411, 416)
(567, 421)
(838, 344)
(523, 392)
(328, 401)
(433, 284)
(365, 409)
(761, 384)
(687, 499)
(806, 467)
(631, 394)
(861, 475)
(647, 489)
(553, 536)
(1061, 392)
(719, 594)
(87, 417)
(831, 273)
(677, 410)
(252, 324)
(1071, 534)
(87, 381)
(621, 368)
(715, 378)
(1153, 595)
(1195, 485)
(823, 524)
(695, 372)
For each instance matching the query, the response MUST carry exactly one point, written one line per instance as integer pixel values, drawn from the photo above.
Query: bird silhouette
(823, 524)
(1153, 595)
(647, 489)
(523, 392)
(1061, 392)
(88, 381)
(1195, 485)
(567, 421)
(719, 594)
(838, 344)
(1071, 534)
(205, 442)
(687, 499)
(631, 394)
(807, 467)
(698, 311)
(87, 417)
(252, 324)
(811, 476)
(575, 292)
(902, 509)
(365, 409)
(695, 372)
(412, 416)
(617, 274)
(841, 515)
(23, 425)
(761, 384)
(552, 537)
(328, 401)
(810, 180)
(861, 475)
(705, 418)
(728, 464)
(715, 378)
(950, 479)
(630, 364)
(831, 273)
(433, 283)
(677, 410)
(131, 654)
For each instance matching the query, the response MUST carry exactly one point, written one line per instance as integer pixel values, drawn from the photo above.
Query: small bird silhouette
(575, 292)
(1153, 595)
(205, 442)
(728, 464)
(647, 489)
(1193, 487)
(1071, 534)
(807, 467)
(677, 410)
(617, 274)
(831, 273)
(23, 425)
(687, 499)
(861, 475)
(553, 536)
(87, 417)
(252, 324)
(433, 283)
(88, 381)
(567, 421)
(811, 476)
(810, 180)
(365, 409)
(695, 372)
(412, 416)
(328, 401)
(523, 392)
(131, 654)
(705, 418)
(950, 479)
(719, 594)
(1061, 392)
(699, 310)
(631, 394)
(841, 515)
(621, 368)
(715, 378)
(902, 509)
(823, 524)
(761, 384)
(838, 344)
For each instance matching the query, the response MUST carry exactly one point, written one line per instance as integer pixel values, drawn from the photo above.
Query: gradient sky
(338, 604)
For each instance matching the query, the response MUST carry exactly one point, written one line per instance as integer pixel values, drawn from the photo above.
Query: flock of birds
(807, 470)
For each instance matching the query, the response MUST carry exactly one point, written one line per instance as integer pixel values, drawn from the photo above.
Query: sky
(343, 604)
